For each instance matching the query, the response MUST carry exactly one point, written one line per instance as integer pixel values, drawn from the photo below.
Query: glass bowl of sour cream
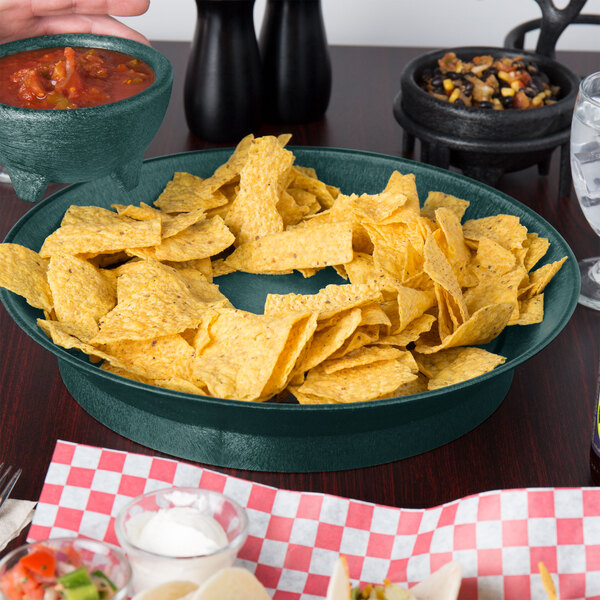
(180, 534)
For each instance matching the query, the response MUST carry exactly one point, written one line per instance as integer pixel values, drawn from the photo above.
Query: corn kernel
(507, 91)
(503, 75)
(517, 85)
(448, 85)
(454, 95)
(537, 100)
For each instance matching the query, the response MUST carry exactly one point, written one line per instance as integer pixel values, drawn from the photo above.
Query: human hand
(28, 18)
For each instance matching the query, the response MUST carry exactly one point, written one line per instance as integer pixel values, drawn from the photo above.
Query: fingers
(120, 8)
(99, 24)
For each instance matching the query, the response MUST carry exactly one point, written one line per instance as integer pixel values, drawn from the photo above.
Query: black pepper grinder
(222, 93)
(295, 61)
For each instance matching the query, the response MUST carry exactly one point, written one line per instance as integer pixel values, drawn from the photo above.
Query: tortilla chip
(506, 230)
(539, 279)
(291, 213)
(363, 335)
(23, 272)
(482, 327)
(172, 383)
(161, 358)
(202, 265)
(493, 290)
(305, 199)
(467, 364)
(492, 259)
(263, 178)
(362, 356)
(100, 238)
(531, 311)
(405, 185)
(412, 304)
(319, 246)
(70, 336)
(220, 267)
(439, 269)
(90, 215)
(326, 341)
(373, 314)
(454, 247)
(411, 333)
(306, 179)
(299, 337)
(244, 351)
(201, 288)
(383, 207)
(201, 240)
(187, 192)
(330, 301)
(82, 293)
(536, 249)
(152, 302)
(437, 200)
(359, 384)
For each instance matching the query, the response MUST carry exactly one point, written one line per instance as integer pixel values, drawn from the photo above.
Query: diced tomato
(35, 594)
(9, 589)
(40, 562)
(29, 584)
(521, 100)
(21, 584)
(73, 556)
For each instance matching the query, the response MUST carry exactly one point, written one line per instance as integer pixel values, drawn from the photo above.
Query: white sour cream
(176, 544)
(180, 532)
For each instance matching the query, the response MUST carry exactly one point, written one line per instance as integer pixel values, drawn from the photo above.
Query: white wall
(433, 23)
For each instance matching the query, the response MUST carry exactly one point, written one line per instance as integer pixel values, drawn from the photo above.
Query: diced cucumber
(83, 592)
(106, 588)
(78, 585)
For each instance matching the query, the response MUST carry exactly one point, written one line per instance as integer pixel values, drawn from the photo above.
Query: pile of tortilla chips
(134, 287)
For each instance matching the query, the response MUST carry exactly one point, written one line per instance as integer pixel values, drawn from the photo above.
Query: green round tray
(289, 437)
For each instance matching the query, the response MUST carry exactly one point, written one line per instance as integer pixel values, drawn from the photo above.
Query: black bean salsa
(487, 82)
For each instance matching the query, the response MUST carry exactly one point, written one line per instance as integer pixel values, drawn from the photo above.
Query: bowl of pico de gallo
(65, 569)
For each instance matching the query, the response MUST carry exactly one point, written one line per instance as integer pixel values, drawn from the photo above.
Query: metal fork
(8, 478)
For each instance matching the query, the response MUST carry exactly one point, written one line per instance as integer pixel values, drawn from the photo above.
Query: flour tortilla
(172, 590)
(232, 583)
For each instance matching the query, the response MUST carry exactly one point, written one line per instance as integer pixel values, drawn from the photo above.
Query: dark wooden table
(540, 435)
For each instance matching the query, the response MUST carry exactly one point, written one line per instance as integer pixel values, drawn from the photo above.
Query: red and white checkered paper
(295, 537)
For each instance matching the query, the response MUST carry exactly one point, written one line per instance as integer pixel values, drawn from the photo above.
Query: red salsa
(70, 77)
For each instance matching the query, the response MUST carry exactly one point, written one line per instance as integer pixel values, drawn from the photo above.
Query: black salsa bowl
(474, 123)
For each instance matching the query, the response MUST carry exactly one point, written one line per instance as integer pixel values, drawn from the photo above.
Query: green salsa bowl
(38, 146)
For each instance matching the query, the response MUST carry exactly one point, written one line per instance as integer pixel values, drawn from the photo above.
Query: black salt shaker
(222, 93)
(295, 61)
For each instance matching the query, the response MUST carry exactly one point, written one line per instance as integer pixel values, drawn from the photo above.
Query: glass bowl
(93, 554)
(152, 546)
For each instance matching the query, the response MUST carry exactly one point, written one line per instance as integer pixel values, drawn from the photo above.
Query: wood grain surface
(540, 435)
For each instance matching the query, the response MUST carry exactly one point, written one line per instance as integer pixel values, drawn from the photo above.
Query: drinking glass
(585, 166)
